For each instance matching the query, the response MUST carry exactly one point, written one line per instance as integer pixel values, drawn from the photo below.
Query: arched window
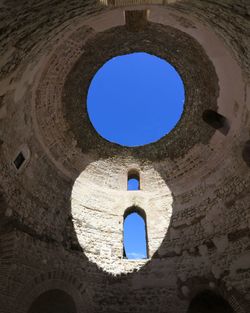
(209, 302)
(53, 301)
(135, 241)
(246, 153)
(216, 121)
(133, 180)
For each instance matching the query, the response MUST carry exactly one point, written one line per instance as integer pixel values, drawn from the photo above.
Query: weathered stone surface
(195, 182)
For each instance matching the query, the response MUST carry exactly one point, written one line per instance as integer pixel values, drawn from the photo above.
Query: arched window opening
(216, 121)
(246, 153)
(135, 243)
(133, 180)
(209, 302)
(53, 301)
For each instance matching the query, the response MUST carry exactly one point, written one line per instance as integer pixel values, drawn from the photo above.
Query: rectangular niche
(136, 20)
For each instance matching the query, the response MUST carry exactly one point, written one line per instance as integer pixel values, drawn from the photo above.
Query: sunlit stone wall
(98, 208)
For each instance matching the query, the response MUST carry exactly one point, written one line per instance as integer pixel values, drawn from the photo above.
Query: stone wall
(71, 189)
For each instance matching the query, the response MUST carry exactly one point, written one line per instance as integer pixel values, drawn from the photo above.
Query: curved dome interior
(63, 188)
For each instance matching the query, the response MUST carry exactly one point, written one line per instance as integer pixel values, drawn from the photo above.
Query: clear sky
(134, 237)
(134, 231)
(133, 184)
(134, 100)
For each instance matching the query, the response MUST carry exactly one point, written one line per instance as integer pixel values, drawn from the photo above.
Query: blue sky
(133, 184)
(134, 100)
(135, 237)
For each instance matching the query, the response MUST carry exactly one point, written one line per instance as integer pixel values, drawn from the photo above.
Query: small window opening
(209, 302)
(19, 160)
(135, 245)
(246, 153)
(133, 181)
(216, 121)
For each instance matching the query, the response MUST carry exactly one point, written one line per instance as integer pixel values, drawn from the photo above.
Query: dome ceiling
(62, 186)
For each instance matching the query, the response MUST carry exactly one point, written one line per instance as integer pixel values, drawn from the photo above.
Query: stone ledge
(117, 3)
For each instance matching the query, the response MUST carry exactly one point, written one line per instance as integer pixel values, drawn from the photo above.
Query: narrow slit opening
(19, 160)
(216, 120)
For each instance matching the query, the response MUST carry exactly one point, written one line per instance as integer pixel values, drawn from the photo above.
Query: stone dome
(63, 188)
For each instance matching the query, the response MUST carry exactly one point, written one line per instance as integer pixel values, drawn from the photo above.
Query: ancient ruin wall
(205, 244)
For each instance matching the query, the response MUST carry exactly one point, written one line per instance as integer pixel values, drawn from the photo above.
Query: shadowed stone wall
(61, 211)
